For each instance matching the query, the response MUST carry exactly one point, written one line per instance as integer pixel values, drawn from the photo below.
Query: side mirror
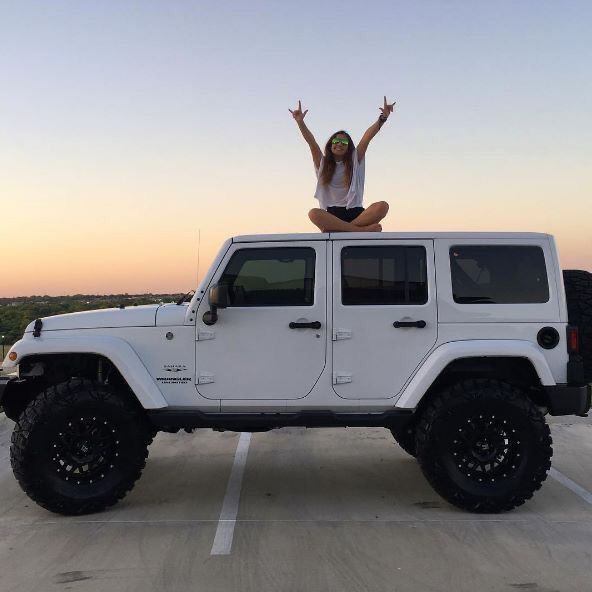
(218, 298)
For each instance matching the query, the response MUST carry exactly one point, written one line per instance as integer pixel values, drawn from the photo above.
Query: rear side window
(383, 275)
(498, 274)
(281, 276)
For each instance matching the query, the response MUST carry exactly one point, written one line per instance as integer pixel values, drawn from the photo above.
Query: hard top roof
(318, 236)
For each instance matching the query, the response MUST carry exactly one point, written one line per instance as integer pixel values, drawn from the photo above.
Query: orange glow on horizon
(158, 270)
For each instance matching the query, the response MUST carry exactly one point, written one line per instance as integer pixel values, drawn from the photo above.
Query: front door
(384, 314)
(270, 341)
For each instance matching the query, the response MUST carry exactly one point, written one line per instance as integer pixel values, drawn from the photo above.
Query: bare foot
(371, 228)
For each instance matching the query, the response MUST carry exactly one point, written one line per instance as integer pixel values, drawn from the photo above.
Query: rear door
(384, 314)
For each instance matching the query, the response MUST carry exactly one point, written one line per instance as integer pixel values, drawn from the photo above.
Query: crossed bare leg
(367, 221)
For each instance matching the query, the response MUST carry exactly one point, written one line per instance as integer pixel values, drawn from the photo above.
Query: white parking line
(572, 485)
(225, 531)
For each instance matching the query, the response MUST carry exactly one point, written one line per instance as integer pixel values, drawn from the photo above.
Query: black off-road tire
(405, 438)
(578, 293)
(484, 446)
(79, 447)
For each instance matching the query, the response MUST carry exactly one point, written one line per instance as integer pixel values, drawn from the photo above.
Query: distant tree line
(17, 313)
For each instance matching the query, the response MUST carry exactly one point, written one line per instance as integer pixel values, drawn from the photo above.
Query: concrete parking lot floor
(316, 510)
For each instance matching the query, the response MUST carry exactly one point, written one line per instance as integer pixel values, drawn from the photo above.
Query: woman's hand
(297, 113)
(387, 109)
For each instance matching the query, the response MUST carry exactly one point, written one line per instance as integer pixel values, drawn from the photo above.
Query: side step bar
(174, 419)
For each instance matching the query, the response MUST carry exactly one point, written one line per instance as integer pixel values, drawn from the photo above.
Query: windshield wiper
(184, 298)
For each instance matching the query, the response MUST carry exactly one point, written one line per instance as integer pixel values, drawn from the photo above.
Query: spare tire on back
(578, 292)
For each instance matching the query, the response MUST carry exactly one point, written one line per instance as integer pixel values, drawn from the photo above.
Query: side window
(498, 274)
(383, 275)
(281, 276)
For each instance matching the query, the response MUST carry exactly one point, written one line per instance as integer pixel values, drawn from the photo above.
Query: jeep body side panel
(449, 352)
(522, 321)
(118, 351)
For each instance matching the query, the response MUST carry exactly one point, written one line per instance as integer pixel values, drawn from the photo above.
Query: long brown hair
(329, 164)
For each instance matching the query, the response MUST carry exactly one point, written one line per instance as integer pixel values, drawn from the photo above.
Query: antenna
(198, 250)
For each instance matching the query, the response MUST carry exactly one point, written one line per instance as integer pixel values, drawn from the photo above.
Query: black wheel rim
(487, 448)
(85, 449)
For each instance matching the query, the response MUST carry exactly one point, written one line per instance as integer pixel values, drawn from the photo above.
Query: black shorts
(345, 214)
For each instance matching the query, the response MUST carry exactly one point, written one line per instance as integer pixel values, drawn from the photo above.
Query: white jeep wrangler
(459, 343)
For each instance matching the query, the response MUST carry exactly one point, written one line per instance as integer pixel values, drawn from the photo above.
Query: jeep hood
(135, 316)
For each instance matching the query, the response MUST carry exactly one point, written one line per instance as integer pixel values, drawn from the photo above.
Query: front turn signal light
(12, 356)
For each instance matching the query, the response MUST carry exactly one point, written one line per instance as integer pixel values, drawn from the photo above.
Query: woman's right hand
(297, 114)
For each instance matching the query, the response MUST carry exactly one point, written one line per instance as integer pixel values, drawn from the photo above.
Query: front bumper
(567, 399)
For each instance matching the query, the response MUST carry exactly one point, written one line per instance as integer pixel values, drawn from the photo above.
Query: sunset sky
(127, 127)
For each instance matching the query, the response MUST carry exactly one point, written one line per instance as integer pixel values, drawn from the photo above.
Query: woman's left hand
(387, 109)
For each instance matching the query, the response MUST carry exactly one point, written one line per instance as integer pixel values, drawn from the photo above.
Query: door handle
(311, 325)
(418, 324)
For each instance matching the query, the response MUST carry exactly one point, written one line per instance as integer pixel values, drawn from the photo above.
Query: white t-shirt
(334, 193)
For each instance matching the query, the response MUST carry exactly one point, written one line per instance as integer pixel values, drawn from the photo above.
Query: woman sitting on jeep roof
(340, 174)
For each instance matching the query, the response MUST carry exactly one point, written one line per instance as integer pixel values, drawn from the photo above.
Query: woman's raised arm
(373, 129)
(298, 115)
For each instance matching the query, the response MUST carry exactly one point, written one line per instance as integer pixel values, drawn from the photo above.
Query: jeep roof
(249, 238)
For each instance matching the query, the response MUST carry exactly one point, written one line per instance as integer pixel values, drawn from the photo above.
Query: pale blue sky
(145, 105)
